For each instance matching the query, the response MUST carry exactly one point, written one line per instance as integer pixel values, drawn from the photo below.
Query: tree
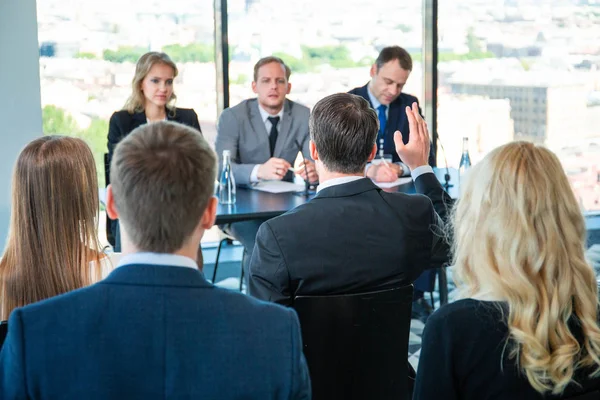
(473, 43)
(85, 55)
(124, 54)
(195, 52)
(56, 121)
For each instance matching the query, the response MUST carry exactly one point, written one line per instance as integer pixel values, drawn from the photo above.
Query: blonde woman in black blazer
(152, 99)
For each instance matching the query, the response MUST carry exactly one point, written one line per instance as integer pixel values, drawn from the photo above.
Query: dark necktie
(273, 135)
(382, 122)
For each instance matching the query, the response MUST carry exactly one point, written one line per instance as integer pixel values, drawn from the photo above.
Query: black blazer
(397, 121)
(350, 238)
(122, 123)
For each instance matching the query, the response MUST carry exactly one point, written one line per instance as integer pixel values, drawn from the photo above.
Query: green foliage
(124, 54)
(462, 57)
(195, 52)
(86, 55)
(56, 121)
(241, 79)
(404, 28)
(473, 43)
(313, 57)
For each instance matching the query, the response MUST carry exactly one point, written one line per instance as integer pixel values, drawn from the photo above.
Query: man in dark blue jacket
(389, 74)
(155, 328)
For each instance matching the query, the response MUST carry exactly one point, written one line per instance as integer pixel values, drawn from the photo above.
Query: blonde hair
(519, 235)
(135, 102)
(52, 245)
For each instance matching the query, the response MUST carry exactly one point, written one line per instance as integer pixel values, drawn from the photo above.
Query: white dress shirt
(172, 260)
(264, 114)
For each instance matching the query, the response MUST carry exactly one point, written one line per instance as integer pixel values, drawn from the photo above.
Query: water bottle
(465, 160)
(227, 182)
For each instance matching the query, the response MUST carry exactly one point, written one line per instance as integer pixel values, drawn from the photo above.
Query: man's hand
(416, 152)
(382, 172)
(273, 169)
(310, 168)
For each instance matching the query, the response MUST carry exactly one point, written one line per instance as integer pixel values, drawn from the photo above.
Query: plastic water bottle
(227, 182)
(465, 159)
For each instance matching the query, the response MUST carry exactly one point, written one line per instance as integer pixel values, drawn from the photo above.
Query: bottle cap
(226, 153)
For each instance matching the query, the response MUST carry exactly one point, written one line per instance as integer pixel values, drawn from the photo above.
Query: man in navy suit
(155, 328)
(389, 74)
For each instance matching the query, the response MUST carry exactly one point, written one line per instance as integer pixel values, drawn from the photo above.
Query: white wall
(20, 110)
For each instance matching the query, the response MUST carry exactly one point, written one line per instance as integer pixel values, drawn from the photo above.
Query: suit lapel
(283, 132)
(139, 118)
(257, 124)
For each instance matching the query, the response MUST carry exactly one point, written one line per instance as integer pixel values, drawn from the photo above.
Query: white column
(20, 104)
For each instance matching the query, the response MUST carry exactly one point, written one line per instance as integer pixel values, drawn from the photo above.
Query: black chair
(356, 345)
(109, 234)
(3, 331)
(226, 238)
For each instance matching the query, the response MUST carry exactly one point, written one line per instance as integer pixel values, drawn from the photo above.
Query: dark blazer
(122, 123)
(350, 238)
(397, 121)
(153, 332)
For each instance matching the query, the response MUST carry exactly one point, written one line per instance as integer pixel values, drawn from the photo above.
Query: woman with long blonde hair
(152, 99)
(527, 326)
(52, 245)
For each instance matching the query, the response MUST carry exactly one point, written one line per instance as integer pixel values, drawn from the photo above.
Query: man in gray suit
(264, 136)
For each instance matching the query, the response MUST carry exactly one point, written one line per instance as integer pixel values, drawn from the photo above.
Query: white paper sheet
(277, 187)
(397, 182)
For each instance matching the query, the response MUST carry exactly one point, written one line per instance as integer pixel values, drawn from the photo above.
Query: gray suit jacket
(242, 131)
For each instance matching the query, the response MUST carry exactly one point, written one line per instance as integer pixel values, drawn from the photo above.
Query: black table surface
(254, 204)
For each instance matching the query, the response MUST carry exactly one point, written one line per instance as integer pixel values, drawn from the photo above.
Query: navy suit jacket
(397, 121)
(153, 332)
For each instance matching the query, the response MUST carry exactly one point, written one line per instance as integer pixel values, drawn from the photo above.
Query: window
(555, 78)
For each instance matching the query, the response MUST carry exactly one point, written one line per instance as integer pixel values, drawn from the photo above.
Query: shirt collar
(264, 114)
(158, 259)
(373, 99)
(337, 181)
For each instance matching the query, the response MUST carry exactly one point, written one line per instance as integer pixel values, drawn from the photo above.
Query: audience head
(52, 242)
(162, 183)
(389, 74)
(271, 83)
(152, 83)
(343, 131)
(519, 237)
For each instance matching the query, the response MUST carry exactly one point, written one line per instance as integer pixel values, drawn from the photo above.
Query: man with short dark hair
(352, 237)
(155, 328)
(264, 136)
(389, 74)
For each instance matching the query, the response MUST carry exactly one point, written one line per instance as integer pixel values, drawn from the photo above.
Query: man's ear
(289, 88)
(313, 150)
(254, 86)
(111, 208)
(373, 71)
(210, 214)
(373, 153)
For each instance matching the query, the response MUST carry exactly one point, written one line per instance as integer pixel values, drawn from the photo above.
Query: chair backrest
(356, 345)
(3, 331)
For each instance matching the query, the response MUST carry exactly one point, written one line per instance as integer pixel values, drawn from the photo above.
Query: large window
(523, 69)
(329, 44)
(88, 51)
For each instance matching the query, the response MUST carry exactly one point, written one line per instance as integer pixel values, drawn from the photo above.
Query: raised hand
(416, 152)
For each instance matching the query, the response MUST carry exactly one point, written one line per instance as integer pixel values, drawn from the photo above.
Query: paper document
(277, 187)
(397, 182)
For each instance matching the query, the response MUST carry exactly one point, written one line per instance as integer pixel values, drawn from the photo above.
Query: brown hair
(163, 175)
(135, 102)
(269, 60)
(52, 242)
(392, 53)
(344, 128)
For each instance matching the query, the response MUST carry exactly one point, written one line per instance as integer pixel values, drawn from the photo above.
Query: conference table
(255, 204)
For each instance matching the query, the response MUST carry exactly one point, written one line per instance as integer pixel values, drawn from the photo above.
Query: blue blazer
(397, 121)
(153, 332)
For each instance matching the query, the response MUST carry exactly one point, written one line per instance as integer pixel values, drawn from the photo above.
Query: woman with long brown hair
(52, 245)
(152, 99)
(527, 325)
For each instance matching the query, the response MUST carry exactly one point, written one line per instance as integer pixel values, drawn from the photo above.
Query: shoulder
(121, 116)
(406, 98)
(241, 305)
(359, 91)
(186, 112)
(239, 111)
(298, 109)
(467, 315)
